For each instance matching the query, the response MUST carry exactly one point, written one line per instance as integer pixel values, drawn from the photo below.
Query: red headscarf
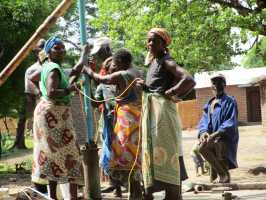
(162, 32)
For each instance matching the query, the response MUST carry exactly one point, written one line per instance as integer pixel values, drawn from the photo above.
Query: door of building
(253, 104)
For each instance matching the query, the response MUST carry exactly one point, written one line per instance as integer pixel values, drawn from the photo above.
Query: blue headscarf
(51, 42)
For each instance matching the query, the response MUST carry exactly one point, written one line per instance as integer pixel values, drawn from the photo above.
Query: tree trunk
(20, 137)
(5, 123)
(0, 144)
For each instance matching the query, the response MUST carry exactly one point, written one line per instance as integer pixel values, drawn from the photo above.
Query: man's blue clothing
(223, 119)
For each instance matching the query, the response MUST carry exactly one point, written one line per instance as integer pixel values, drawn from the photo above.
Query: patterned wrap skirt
(56, 154)
(125, 137)
(161, 140)
(125, 141)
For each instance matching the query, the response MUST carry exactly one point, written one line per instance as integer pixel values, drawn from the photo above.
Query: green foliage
(6, 142)
(29, 142)
(201, 30)
(256, 57)
(18, 21)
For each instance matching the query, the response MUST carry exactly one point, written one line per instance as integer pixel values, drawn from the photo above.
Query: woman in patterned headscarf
(56, 156)
(161, 133)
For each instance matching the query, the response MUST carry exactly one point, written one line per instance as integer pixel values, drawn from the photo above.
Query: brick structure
(189, 113)
(204, 94)
(242, 83)
(263, 104)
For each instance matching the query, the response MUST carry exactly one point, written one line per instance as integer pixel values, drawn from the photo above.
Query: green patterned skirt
(161, 140)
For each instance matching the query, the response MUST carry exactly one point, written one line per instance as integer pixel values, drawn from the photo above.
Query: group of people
(142, 141)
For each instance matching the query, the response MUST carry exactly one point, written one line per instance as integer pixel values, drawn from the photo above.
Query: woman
(56, 155)
(126, 130)
(31, 88)
(166, 82)
(104, 92)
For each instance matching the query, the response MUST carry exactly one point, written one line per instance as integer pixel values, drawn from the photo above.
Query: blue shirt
(224, 120)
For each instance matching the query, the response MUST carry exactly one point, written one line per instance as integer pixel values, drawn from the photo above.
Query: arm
(203, 124)
(52, 83)
(111, 79)
(83, 60)
(35, 78)
(230, 118)
(230, 121)
(185, 83)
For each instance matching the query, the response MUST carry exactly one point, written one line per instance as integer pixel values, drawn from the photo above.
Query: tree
(69, 28)
(18, 21)
(251, 14)
(201, 30)
(256, 57)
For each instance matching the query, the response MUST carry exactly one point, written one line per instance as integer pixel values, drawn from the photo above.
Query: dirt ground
(251, 154)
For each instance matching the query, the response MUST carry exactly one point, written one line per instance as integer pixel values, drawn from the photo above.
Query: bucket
(227, 196)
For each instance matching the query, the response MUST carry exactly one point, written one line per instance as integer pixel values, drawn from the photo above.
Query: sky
(244, 46)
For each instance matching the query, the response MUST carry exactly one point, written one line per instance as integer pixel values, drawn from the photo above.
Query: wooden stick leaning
(30, 44)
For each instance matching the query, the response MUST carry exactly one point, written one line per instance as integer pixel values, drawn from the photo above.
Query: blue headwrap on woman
(51, 42)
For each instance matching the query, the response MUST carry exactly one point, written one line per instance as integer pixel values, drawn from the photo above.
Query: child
(198, 160)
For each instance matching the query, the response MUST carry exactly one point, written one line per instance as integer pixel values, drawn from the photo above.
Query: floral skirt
(56, 155)
(125, 137)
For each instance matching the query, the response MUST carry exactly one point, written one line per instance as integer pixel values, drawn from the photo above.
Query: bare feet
(108, 189)
(223, 178)
(118, 192)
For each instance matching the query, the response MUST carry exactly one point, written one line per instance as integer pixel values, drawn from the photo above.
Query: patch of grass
(5, 168)
(28, 163)
(11, 168)
(29, 142)
(8, 142)
(13, 153)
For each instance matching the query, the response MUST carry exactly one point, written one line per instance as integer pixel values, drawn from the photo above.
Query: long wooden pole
(30, 44)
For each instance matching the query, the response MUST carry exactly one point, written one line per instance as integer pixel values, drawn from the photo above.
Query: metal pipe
(92, 187)
(83, 40)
